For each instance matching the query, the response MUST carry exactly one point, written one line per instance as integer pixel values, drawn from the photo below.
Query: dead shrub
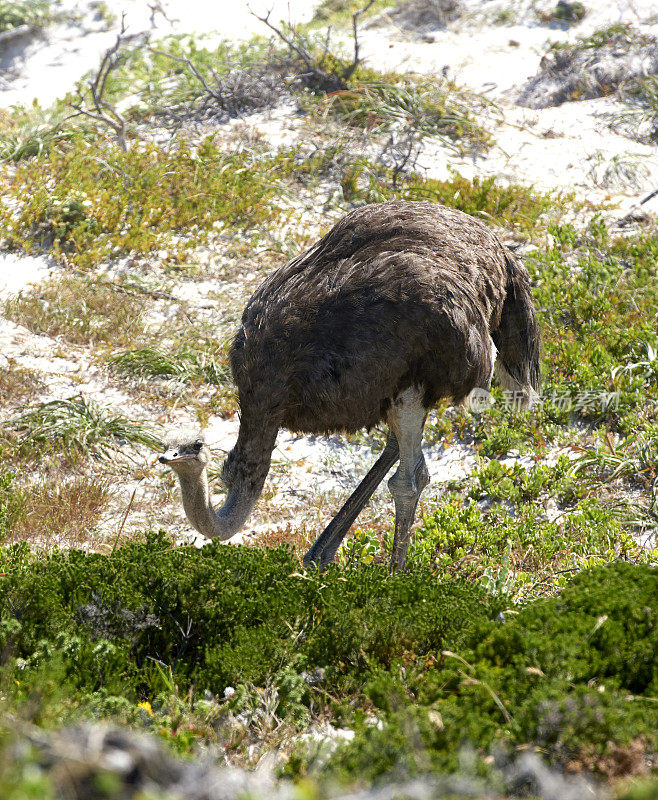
(422, 16)
(598, 66)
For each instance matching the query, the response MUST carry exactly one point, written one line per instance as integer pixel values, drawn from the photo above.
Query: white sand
(20, 272)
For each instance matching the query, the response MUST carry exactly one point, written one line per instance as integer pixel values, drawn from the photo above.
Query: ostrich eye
(198, 445)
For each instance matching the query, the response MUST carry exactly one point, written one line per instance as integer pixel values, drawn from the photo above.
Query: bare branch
(347, 74)
(157, 8)
(316, 74)
(101, 110)
(219, 97)
(303, 54)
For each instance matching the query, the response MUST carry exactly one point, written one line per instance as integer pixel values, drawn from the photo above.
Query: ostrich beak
(173, 457)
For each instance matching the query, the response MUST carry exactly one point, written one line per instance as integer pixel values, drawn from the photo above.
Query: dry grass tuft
(60, 512)
(603, 63)
(421, 16)
(80, 311)
(19, 385)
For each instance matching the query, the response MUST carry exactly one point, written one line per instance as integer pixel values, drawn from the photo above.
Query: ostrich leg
(325, 546)
(407, 420)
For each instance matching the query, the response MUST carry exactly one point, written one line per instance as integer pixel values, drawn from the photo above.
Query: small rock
(436, 719)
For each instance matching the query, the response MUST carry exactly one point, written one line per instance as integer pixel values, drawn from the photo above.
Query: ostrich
(399, 305)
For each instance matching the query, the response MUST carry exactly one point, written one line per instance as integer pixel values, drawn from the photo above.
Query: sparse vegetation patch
(53, 511)
(77, 427)
(81, 311)
(335, 12)
(428, 108)
(185, 365)
(424, 15)
(18, 386)
(641, 121)
(179, 78)
(202, 365)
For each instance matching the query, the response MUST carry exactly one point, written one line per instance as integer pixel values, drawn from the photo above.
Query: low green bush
(439, 662)
(505, 206)
(221, 615)
(575, 675)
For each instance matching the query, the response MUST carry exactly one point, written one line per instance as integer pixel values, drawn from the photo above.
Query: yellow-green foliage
(93, 203)
(513, 206)
(14, 13)
(332, 12)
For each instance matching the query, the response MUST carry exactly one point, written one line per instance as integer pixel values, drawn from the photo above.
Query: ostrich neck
(252, 455)
(220, 524)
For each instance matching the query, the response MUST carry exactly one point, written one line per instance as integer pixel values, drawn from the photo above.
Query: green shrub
(222, 615)
(572, 675)
(439, 661)
(517, 551)
(27, 12)
(506, 206)
(598, 338)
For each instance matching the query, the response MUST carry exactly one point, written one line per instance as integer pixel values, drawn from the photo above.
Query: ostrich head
(186, 453)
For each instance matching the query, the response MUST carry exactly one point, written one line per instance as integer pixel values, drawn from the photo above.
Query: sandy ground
(554, 148)
(564, 149)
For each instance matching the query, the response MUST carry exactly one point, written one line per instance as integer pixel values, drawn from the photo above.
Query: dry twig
(101, 109)
(316, 75)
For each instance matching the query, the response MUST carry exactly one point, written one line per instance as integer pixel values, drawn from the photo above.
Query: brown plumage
(394, 309)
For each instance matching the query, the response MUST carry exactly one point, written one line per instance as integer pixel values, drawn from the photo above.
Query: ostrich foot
(405, 494)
